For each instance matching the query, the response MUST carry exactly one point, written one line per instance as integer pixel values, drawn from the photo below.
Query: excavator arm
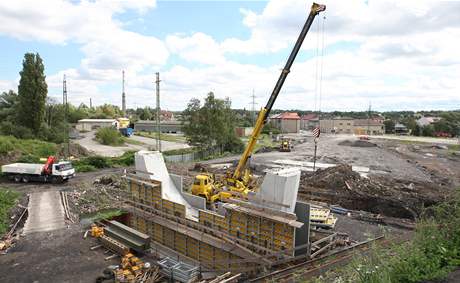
(265, 112)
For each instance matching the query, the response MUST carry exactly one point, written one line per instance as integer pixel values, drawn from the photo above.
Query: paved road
(45, 212)
(90, 144)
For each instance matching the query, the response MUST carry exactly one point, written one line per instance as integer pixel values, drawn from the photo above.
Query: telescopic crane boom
(237, 183)
(264, 112)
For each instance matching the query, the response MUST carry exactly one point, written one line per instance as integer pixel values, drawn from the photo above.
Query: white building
(93, 124)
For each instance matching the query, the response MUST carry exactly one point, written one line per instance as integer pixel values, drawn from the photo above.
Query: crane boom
(264, 112)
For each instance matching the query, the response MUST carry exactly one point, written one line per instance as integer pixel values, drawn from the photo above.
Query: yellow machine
(123, 123)
(285, 145)
(97, 231)
(239, 182)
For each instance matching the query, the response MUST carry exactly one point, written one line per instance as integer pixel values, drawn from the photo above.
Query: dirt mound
(357, 143)
(396, 198)
(76, 150)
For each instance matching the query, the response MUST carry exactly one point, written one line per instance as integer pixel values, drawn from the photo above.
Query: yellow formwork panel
(180, 242)
(168, 206)
(158, 233)
(221, 223)
(168, 237)
(179, 210)
(193, 248)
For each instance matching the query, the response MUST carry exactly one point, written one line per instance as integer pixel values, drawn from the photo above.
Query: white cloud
(404, 54)
(198, 47)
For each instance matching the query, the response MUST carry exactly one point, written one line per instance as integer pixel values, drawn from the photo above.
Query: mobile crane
(238, 183)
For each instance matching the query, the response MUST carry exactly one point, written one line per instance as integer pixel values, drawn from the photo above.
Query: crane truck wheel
(25, 179)
(17, 178)
(56, 179)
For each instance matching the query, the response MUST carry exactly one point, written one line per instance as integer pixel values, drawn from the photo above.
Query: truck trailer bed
(23, 168)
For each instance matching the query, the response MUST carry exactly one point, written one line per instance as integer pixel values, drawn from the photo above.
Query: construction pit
(254, 240)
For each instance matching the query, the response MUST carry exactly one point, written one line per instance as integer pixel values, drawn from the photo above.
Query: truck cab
(63, 171)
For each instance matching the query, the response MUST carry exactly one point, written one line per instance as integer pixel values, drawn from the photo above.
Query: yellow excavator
(239, 183)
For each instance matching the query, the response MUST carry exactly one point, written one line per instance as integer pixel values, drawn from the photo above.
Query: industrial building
(287, 122)
(241, 236)
(369, 127)
(171, 126)
(309, 121)
(93, 124)
(347, 125)
(338, 125)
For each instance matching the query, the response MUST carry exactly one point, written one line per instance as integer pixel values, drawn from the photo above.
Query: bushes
(109, 136)
(91, 163)
(6, 146)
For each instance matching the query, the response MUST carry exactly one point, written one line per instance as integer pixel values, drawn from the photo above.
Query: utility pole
(90, 104)
(158, 112)
(66, 113)
(369, 119)
(253, 108)
(123, 95)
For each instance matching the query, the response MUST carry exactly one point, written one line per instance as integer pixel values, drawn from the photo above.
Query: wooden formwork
(230, 238)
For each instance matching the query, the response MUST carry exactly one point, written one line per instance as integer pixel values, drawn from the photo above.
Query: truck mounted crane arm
(264, 112)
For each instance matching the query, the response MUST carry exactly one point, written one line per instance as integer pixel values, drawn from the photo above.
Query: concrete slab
(151, 165)
(309, 165)
(46, 212)
(278, 190)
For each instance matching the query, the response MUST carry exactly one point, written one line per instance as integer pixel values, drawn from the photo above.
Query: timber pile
(340, 185)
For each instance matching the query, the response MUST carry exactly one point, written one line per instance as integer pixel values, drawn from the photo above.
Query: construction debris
(341, 185)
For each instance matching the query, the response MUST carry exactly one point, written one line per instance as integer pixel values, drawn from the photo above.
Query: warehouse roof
(97, 121)
(287, 116)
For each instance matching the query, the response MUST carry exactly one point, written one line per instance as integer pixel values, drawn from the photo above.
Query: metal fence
(192, 156)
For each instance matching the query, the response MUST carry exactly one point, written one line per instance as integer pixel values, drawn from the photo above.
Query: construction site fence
(193, 156)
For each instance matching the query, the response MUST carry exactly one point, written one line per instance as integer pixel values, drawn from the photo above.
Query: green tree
(32, 91)
(8, 106)
(389, 126)
(211, 124)
(417, 131)
(428, 131)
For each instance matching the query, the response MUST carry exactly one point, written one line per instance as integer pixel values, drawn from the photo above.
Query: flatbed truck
(52, 171)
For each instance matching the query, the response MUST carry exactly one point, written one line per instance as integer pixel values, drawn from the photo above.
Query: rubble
(377, 194)
(357, 143)
(104, 193)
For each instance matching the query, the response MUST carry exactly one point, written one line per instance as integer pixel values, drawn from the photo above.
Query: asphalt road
(90, 144)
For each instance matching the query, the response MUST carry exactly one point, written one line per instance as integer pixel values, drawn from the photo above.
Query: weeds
(7, 201)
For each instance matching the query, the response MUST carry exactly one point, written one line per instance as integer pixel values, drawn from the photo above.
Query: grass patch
(131, 141)
(7, 201)
(163, 137)
(263, 141)
(454, 147)
(433, 252)
(103, 214)
(93, 163)
(181, 151)
(29, 150)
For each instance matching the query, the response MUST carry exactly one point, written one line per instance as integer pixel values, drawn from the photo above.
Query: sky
(392, 55)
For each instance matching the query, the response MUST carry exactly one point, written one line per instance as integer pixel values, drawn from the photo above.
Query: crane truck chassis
(52, 171)
(240, 182)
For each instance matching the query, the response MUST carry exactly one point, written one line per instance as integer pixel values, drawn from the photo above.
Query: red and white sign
(316, 132)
